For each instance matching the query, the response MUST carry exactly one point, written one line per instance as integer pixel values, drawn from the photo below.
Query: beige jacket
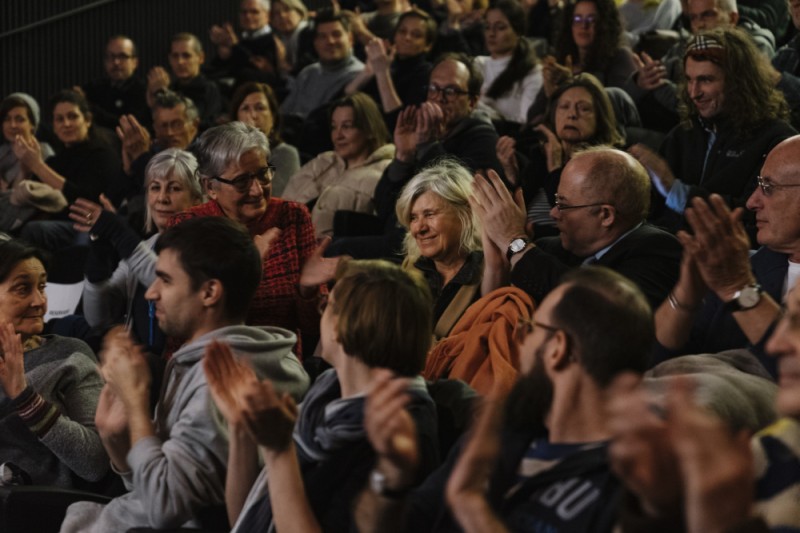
(337, 188)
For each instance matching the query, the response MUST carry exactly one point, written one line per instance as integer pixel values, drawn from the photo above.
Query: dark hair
(217, 248)
(475, 77)
(607, 36)
(170, 100)
(430, 23)
(523, 58)
(12, 102)
(395, 336)
(367, 118)
(71, 97)
(184, 36)
(326, 15)
(245, 90)
(750, 94)
(606, 121)
(607, 320)
(13, 252)
(122, 37)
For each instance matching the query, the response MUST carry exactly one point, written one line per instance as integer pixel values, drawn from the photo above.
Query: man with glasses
(726, 298)
(548, 468)
(119, 92)
(600, 208)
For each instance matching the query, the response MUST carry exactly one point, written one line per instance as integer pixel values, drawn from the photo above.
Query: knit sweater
(49, 430)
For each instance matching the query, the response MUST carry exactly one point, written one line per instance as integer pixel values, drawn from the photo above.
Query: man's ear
(557, 353)
(734, 18)
(209, 188)
(608, 215)
(212, 292)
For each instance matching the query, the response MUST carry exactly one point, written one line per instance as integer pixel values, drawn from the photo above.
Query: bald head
(620, 178)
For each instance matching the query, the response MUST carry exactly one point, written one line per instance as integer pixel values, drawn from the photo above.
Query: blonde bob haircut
(384, 315)
(453, 183)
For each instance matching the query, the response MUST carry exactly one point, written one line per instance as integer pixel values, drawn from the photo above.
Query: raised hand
(651, 74)
(554, 74)
(660, 173)
(318, 269)
(125, 369)
(27, 150)
(379, 58)
(268, 415)
(12, 365)
(157, 80)
(84, 213)
(226, 378)
(430, 122)
(111, 418)
(507, 155)
(390, 429)
(502, 215)
(135, 140)
(264, 241)
(553, 148)
(405, 137)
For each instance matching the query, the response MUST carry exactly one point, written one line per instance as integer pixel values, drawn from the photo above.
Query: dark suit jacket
(716, 330)
(650, 257)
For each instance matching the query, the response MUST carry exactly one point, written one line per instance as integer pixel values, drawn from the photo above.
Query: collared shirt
(600, 253)
(264, 30)
(469, 273)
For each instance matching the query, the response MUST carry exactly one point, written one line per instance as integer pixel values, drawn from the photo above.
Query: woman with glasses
(117, 297)
(233, 163)
(443, 239)
(345, 178)
(579, 115)
(512, 76)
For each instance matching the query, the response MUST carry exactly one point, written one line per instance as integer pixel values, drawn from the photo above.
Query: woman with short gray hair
(443, 240)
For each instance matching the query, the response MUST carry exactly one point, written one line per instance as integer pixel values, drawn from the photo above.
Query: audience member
(253, 56)
(512, 76)
(175, 465)
(787, 58)
(443, 239)
(120, 92)
(310, 483)
(234, 166)
(112, 297)
(724, 135)
(594, 326)
(461, 31)
(726, 298)
(255, 104)
(185, 59)
(86, 168)
(579, 114)
(49, 386)
(289, 20)
(396, 76)
(345, 178)
(600, 210)
(19, 115)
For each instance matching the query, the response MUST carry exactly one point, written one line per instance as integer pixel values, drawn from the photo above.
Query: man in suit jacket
(602, 201)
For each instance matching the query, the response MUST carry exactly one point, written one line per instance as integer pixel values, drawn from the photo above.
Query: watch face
(517, 245)
(749, 297)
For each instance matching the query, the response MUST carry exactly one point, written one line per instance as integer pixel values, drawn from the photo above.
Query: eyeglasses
(588, 20)
(767, 186)
(525, 327)
(450, 93)
(243, 182)
(561, 206)
(118, 57)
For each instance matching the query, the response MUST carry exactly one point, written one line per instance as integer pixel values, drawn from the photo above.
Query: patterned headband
(705, 47)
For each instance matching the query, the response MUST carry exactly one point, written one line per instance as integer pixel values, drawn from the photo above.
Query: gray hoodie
(181, 469)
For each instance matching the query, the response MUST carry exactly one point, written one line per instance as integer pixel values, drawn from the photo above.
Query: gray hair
(197, 46)
(453, 183)
(296, 5)
(222, 146)
(171, 99)
(265, 4)
(182, 166)
(728, 6)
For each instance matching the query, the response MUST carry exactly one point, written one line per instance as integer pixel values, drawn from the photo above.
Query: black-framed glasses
(243, 182)
(525, 327)
(561, 206)
(450, 93)
(768, 186)
(580, 20)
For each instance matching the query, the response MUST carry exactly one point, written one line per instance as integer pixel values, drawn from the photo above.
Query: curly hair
(523, 58)
(607, 36)
(749, 89)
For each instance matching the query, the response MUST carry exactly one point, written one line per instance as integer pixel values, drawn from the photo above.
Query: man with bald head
(602, 201)
(741, 305)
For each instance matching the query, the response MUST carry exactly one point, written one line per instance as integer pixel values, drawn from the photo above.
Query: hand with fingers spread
(430, 122)
(125, 369)
(379, 56)
(135, 140)
(650, 74)
(660, 173)
(719, 246)
(502, 215)
(466, 488)
(27, 151)
(554, 74)
(553, 148)
(640, 452)
(226, 377)
(268, 415)
(405, 136)
(716, 464)
(391, 430)
(12, 365)
(111, 417)
(507, 155)
(317, 269)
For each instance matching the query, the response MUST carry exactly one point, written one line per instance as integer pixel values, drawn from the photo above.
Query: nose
(163, 196)
(694, 90)
(755, 201)
(152, 291)
(256, 189)
(39, 298)
(555, 213)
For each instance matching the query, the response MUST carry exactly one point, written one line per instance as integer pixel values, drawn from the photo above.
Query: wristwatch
(745, 298)
(516, 246)
(378, 484)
